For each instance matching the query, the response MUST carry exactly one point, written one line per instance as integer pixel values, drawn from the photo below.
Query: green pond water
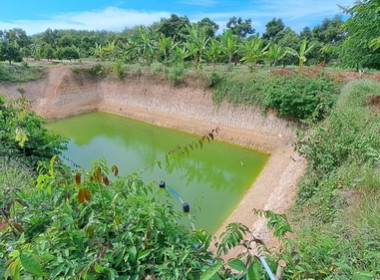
(212, 179)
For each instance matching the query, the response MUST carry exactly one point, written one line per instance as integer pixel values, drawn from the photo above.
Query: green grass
(338, 202)
(20, 73)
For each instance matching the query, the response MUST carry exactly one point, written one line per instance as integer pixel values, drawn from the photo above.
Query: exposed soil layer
(63, 93)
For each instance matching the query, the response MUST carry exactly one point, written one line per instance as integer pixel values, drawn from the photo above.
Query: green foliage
(123, 228)
(302, 97)
(22, 133)
(297, 96)
(301, 54)
(339, 195)
(176, 75)
(9, 52)
(118, 69)
(22, 73)
(362, 28)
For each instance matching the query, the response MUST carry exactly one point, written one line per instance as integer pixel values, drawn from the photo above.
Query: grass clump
(23, 73)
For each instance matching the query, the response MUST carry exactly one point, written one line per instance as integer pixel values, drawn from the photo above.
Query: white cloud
(295, 13)
(110, 18)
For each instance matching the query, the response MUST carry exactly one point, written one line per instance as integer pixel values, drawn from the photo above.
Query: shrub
(22, 133)
(89, 227)
(297, 96)
(176, 75)
(118, 69)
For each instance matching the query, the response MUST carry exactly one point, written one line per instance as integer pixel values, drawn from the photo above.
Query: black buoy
(186, 207)
(161, 184)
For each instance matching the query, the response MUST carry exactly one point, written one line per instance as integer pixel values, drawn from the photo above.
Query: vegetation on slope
(23, 73)
(338, 201)
(297, 96)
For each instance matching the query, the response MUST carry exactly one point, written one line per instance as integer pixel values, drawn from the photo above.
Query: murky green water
(212, 179)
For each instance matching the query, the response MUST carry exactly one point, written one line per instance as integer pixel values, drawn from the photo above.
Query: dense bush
(96, 229)
(22, 134)
(296, 96)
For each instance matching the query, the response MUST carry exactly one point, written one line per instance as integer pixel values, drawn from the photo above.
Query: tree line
(175, 40)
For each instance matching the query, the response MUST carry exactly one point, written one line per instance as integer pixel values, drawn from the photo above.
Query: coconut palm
(301, 54)
(252, 51)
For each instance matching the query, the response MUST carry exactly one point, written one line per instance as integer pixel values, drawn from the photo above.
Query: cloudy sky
(37, 15)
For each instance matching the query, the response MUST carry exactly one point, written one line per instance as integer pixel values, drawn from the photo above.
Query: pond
(212, 179)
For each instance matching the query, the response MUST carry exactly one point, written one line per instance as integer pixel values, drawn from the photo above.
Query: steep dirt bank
(63, 93)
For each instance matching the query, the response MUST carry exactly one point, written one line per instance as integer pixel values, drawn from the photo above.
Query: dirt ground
(63, 93)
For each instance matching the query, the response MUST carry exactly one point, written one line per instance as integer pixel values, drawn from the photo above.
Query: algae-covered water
(212, 179)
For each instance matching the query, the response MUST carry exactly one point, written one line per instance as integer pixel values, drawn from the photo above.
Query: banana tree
(143, 46)
(214, 52)
(179, 54)
(230, 44)
(252, 51)
(275, 53)
(165, 46)
(98, 51)
(196, 43)
(301, 55)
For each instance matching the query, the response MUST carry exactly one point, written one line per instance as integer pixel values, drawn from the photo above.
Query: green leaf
(253, 271)
(98, 268)
(31, 264)
(143, 254)
(237, 265)
(210, 272)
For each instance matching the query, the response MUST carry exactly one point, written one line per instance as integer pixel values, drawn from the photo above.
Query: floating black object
(186, 207)
(161, 184)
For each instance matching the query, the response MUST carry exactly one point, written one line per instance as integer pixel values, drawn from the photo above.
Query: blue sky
(37, 15)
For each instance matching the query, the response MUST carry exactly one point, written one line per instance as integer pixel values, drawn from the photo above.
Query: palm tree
(275, 53)
(230, 45)
(302, 52)
(252, 51)
(196, 42)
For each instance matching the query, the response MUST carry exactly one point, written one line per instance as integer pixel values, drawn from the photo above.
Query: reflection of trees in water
(200, 172)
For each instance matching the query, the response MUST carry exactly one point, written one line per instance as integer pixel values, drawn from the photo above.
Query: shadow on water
(212, 179)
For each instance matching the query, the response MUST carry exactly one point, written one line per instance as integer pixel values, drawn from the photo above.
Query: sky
(36, 16)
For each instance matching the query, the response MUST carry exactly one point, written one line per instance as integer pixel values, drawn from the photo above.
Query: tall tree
(362, 28)
(209, 26)
(240, 27)
(272, 29)
(289, 39)
(9, 52)
(173, 26)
